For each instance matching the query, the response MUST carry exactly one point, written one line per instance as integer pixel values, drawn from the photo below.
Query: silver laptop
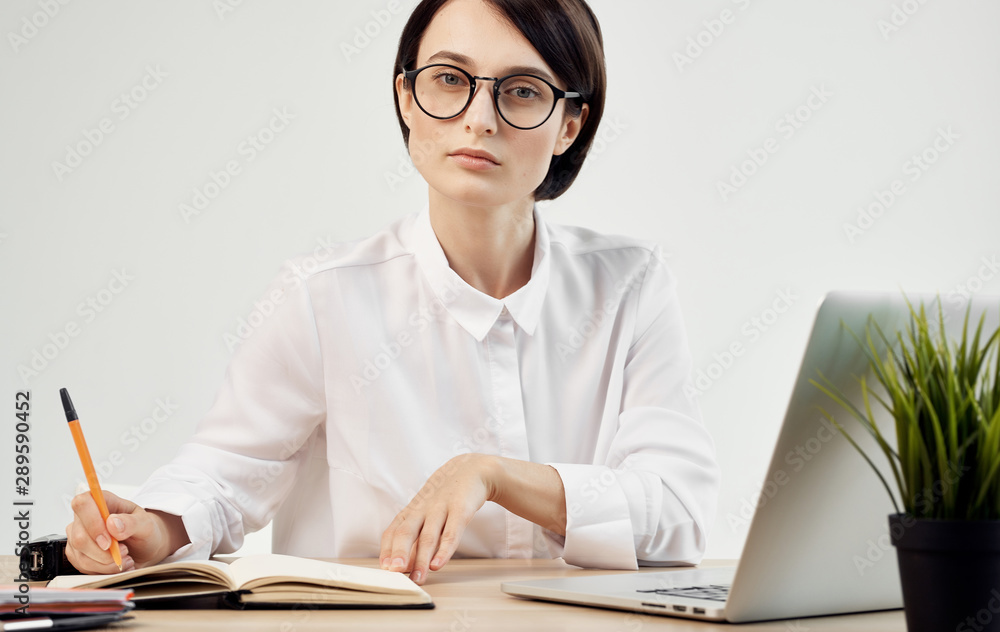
(818, 542)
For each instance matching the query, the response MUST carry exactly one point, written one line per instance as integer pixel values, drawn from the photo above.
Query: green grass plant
(944, 397)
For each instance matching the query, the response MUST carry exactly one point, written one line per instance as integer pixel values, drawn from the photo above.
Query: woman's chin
(472, 196)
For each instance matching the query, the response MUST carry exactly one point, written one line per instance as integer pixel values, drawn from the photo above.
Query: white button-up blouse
(380, 363)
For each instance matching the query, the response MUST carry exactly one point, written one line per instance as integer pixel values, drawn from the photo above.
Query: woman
(467, 353)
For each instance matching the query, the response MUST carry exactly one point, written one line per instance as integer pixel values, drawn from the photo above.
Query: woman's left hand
(425, 534)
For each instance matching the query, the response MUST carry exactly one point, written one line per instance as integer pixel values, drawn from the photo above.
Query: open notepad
(271, 580)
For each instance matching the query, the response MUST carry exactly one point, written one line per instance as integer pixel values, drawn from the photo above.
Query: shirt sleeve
(654, 497)
(232, 475)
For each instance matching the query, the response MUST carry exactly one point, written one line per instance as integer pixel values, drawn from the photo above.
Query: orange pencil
(88, 469)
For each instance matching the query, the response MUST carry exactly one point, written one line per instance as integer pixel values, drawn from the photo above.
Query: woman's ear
(405, 99)
(570, 130)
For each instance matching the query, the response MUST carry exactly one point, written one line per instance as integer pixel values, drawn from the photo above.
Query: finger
(78, 539)
(117, 504)
(138, 524)
(403, 539)
(86, 563)
(116, 526)
(127, 519)
(84, 554)
(88, 516)
(413, 556)
(448, 544)
(426, 546)
(385, 548)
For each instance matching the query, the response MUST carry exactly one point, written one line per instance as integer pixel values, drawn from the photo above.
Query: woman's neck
(491, 248)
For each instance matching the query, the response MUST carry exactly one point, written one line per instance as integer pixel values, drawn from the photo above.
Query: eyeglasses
(443, 91)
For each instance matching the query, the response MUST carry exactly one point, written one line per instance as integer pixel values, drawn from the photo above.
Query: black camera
(45, 557)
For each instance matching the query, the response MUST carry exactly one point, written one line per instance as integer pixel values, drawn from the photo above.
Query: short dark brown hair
(568, 37)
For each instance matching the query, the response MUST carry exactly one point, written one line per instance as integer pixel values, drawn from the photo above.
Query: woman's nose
(481, 116)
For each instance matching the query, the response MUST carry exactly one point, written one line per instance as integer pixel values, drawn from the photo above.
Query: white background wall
(674, 128)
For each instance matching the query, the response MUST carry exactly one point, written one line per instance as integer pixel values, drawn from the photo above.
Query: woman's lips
(475, 163)
(475, 158)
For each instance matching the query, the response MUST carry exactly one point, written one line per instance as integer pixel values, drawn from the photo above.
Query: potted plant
(944, 398)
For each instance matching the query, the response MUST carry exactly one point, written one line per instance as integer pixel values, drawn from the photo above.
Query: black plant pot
(950, 573)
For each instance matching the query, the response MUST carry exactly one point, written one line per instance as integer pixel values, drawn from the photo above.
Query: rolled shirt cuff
(599, 530)
(196, 518)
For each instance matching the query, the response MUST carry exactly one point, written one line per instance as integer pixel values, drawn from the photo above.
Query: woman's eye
(450, 79)
(524, 92)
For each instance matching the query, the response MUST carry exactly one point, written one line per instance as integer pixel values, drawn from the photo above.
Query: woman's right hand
(145, 537)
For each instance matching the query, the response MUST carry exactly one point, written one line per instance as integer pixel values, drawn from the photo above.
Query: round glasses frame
(411, 76)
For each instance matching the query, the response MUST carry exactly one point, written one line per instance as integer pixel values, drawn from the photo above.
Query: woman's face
(467, 34)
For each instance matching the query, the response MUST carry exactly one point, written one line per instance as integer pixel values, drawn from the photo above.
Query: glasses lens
(525, 101)
(442, 91)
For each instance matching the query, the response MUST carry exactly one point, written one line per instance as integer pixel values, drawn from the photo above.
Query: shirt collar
(475, 311)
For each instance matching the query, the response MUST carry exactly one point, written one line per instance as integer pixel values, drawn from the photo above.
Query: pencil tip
(68, 405)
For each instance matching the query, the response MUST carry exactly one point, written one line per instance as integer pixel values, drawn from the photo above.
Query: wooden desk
(468, 599)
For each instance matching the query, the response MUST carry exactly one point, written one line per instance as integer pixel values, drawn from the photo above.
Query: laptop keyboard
(712, 592)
